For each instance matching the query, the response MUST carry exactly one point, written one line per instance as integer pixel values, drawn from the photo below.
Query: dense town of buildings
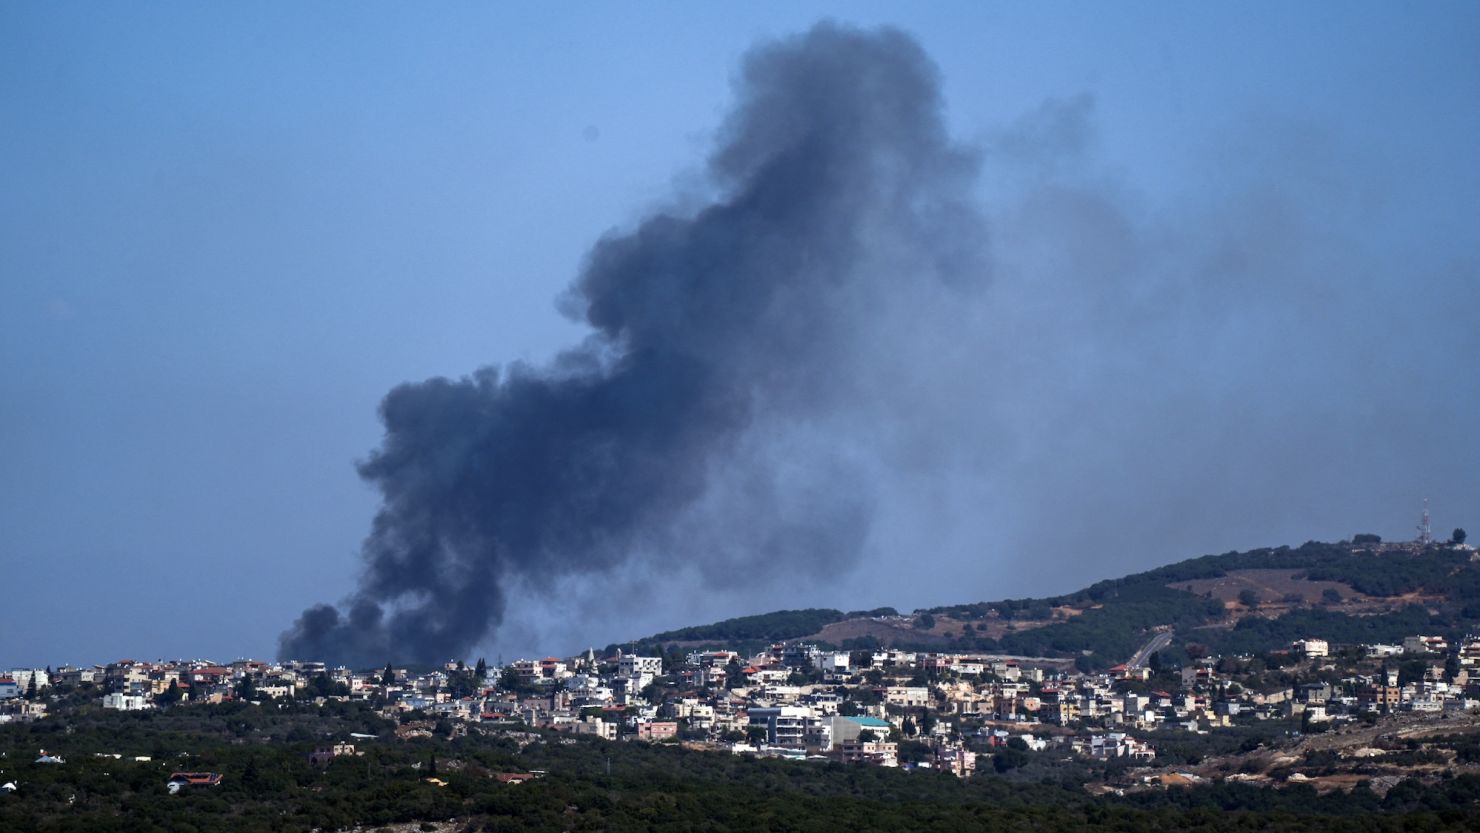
(880, 707)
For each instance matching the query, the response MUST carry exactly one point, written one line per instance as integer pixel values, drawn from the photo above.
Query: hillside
(1232, 603)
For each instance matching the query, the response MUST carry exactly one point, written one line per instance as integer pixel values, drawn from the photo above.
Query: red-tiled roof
(196, 778)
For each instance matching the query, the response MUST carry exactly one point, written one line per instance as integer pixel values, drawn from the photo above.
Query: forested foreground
(268, 785)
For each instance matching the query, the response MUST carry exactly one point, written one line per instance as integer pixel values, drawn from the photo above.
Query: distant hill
(770, 627)
(1238, 602)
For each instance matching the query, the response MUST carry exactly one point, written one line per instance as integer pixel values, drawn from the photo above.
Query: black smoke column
(725, 338)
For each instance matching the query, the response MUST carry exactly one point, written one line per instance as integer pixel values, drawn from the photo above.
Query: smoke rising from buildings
(747, 349)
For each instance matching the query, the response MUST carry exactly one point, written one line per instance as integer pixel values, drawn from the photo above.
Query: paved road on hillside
(1157, 642)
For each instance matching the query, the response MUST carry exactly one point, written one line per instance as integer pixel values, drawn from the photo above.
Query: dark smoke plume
(695, 426)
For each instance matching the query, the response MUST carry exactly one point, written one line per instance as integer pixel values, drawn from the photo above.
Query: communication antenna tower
(1425, 533)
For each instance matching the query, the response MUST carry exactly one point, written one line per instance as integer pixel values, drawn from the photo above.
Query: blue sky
(228, 232)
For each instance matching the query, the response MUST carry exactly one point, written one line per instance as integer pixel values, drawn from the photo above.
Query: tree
(388, 677)
(927, 722)
(320, 684)
(31, 688)
(1331, 596)
(925, 622)
(509, 680)
(652, 693)
(246, 690)
(1248, 598)
(1009, 758)
(480, 671)
(914, 752)
(734, 675)
(1458, 537)
(1412, 671)
(1153, 662)
(1366, 538)
(172, 694)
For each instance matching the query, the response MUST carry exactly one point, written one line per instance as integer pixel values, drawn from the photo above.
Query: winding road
(1161, 640)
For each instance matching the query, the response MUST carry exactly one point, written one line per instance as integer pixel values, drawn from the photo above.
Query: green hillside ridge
(781, 624)
(1106, 622)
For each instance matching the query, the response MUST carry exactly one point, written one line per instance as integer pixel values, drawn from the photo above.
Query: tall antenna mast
(1425, 533)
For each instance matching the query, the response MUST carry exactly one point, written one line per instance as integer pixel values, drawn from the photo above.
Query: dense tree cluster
(268, 785)
(782, 624)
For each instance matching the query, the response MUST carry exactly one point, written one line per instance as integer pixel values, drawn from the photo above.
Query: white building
(23, 677)
(1313, 647)
(833, 662)
(874, 752)
(1425, 644)
(907, 696)
(126, 702)
(631, 665)
(596, 726)
(1113, 745)
(1469, 651)
(784, 725)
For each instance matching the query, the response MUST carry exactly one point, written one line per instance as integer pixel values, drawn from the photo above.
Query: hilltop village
(1348, 672)
(953, 712)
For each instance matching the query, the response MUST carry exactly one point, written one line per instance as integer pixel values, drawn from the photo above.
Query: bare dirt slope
(1281, 590)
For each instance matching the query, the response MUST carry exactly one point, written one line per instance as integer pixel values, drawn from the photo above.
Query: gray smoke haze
(747, 374)
(1270, 353)
(802, 376)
